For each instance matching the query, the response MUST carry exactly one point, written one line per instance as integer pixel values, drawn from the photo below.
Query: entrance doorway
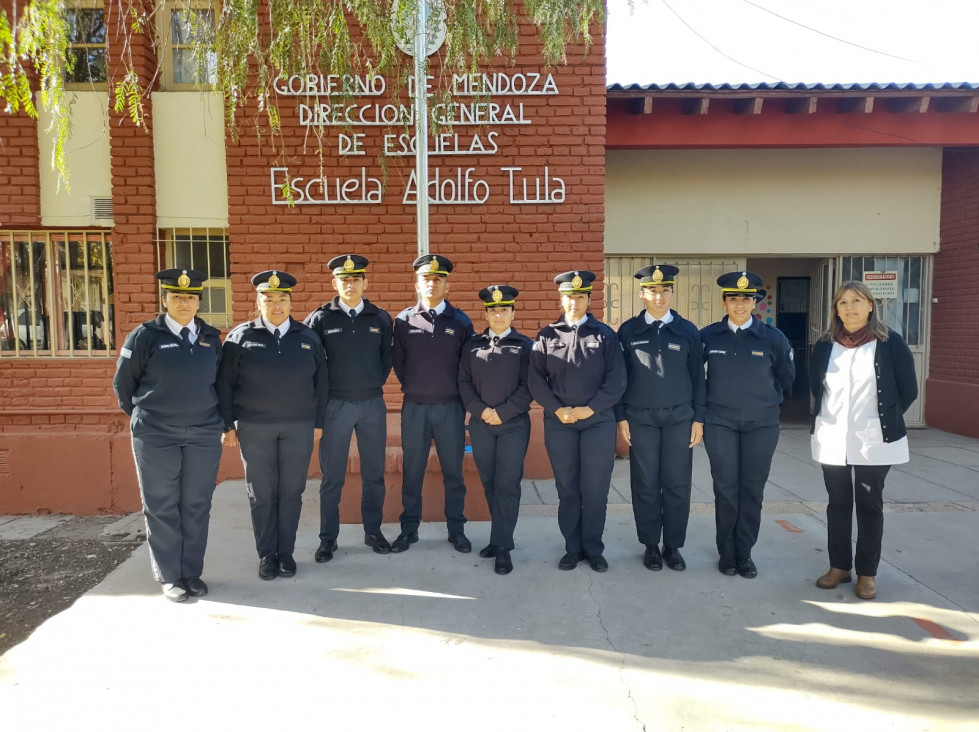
(792, 318)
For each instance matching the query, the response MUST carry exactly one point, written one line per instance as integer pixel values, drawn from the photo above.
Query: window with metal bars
(206, 250)
(56, 294)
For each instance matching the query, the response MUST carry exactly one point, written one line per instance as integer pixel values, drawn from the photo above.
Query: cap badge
(742, 282)
(576, 282)
(433, 266)
(274, 280)
(183, 280)
(657, 275)
(348, 265)
(497, 295)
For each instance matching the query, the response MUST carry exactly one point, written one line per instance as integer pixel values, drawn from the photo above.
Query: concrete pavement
(432, 639)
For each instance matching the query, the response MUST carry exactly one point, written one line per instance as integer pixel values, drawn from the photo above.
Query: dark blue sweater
(747, 371)
(664, 368)
(264, 380)
(158, 375)
(494, 375)
(358, 351)
(426, 353)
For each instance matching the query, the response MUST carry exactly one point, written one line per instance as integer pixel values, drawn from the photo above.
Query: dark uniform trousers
(660, 466)
(499, 451)
(582, 455)
(276, 458)
(869, 493)
(368, 419)
(177, 467)
(740, 453)
(420, 424)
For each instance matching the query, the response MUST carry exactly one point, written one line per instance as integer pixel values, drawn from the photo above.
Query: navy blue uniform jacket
(495, 375)
(426, 354)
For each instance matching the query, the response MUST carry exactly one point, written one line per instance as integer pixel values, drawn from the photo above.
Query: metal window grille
(56, 294)
(206, 250)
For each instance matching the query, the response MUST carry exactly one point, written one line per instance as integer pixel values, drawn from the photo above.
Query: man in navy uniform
(493, 386)
(357, 337)
(428, 341)
(661, 415)
(165, 381)
(578, 375)
(749, 366)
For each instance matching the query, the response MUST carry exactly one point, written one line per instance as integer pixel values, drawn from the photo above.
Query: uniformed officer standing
(272, 394)
(749, 365)
(357, 337)
(493, 386)
(577, 374)
(428, 341)
(661, 415)
(165, 381)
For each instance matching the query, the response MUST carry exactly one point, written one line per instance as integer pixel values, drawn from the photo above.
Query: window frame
(73, 5)
(167, 46)
(167, 258)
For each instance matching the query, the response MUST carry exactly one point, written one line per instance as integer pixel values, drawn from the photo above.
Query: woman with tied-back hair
(863, 381)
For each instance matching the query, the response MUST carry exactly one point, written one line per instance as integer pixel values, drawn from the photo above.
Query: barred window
(206, 250)
(86, 44)
(56, 294)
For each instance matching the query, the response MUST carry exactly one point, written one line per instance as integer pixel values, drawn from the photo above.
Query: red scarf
(854, 339)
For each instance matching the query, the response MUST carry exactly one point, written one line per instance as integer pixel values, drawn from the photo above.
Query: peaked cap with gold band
(498, 296)
(348, 265)
(578, 280)
(434, 264)
(741, 283)
(190, 281)
(274, 280)
(657, 274)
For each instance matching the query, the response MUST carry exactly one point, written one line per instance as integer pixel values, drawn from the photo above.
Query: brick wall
(952, 397)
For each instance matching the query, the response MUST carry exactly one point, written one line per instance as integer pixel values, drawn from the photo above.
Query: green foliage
(244, 56)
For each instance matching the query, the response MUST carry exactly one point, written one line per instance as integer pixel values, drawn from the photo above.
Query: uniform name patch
(305, 346)
(592, 344)
(719, 351)
(125, 353)
(639, 343)
(331, 331)
(450, 331)
(253, 344)
(757, 353)
(374, 330)
(674, 346)
(169, 345)
(512, 349)
(203, 343)
(416, 330)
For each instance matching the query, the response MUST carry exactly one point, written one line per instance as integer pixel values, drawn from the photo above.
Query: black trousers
(582, 455)
(863, 485)
(740, 455)
(660, 468)
(276, 458)
(499, 451)
(369, 420)
(177, 466)
(446, 425)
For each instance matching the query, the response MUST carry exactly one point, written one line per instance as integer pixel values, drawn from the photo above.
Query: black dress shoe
(673, 559)
(570, 560)
(287, 565)
(378, 542)
(460, 542)
(324, 553)
(268, 567)
(503, 565)
(727, 567)
(652, 559)
(404, 541)
(598, 563)
(175, 591)
(488, 551)
(747, 569)
(195, 586)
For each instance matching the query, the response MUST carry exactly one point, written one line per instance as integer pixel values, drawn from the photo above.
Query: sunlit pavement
(434, 640)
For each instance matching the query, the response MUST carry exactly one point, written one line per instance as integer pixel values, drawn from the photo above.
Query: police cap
(274, 280)
(657, 274)
(498, 296)
(190, 281)
(348, 265)
(741, 283)
(432, 264)
(578, 280)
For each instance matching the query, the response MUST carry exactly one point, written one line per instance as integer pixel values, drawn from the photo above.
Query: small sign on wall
(883, 285)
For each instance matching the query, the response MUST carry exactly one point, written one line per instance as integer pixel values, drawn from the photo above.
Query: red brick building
(613, 176)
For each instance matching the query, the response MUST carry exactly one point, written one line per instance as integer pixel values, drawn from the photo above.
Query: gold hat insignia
(183, 280)
(348, 265)
(576, 282)
(742, 282)
(274, 280)
(433, 266)
(497, 295)
(657, 275)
